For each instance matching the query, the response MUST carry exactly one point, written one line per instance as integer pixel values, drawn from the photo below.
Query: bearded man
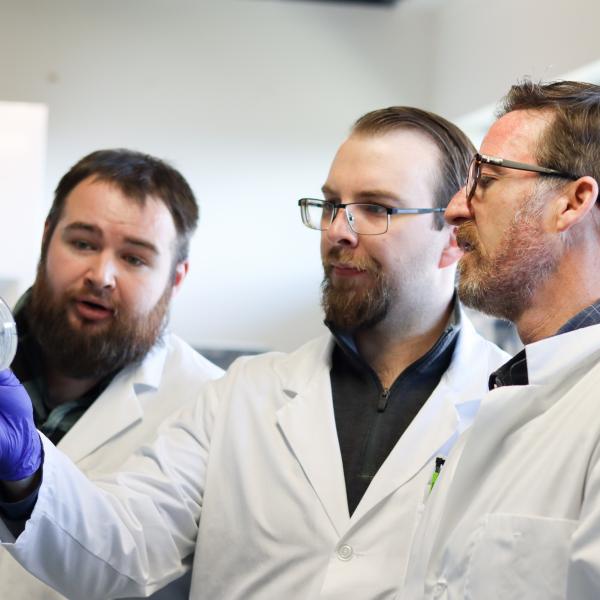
(93, 353)
(516, 510)
(300, 475)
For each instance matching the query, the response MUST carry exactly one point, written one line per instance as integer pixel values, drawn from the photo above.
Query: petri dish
(8, 336)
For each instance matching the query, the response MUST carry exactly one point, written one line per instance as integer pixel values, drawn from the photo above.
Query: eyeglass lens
(362, 218)
(472, 177)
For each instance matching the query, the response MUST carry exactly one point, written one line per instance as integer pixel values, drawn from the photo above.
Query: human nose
(102, 272)
(339, 231)
(459, 208)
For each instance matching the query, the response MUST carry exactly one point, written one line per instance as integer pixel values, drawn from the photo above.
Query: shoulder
(181, 359)
(290, 369)
(312, 352)
(473, 348)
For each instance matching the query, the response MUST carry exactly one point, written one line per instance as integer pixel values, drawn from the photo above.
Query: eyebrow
(367, 194)
(96, 231)
(493, 168)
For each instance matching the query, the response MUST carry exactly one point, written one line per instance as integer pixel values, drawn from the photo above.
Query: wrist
(14, 491)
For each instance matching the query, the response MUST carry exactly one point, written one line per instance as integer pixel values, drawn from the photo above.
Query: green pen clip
(439, 463)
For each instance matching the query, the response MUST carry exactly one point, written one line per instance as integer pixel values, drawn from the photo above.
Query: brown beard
(503, 285)
(349, 307)
(83, 353)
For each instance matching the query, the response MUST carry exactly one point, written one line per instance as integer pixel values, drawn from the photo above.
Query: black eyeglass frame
(483, 159)
(303, 204)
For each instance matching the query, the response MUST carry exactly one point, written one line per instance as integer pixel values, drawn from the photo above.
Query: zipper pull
(383, 400)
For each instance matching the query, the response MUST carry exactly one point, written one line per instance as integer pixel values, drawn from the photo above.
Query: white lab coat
(251, 479)
(515, 513)
(125, 416)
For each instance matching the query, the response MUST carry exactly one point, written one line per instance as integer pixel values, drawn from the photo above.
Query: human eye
(134, 261)
(372, 209)
(327, 206)
(485, 181)
(81, 245)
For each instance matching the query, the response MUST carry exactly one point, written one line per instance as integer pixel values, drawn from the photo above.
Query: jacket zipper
(383, 400)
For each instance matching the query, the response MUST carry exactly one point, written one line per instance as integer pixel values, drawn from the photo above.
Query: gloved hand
(20, 444)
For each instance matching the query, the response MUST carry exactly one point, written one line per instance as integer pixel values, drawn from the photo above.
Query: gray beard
(504, 285)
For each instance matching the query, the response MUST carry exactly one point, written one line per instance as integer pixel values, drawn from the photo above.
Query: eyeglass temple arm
(511, 164)
(414, 211)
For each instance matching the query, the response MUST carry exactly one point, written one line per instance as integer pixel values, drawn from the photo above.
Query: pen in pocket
(439, 463)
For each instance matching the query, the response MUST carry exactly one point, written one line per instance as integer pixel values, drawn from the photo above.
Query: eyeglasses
(364, 219)
(481, 159)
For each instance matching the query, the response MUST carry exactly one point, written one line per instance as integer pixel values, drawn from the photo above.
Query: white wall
(22, 164)
(248, 98)
(482, 48)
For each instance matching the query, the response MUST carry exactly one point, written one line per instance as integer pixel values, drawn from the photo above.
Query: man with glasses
(310, 469)
(516, 510)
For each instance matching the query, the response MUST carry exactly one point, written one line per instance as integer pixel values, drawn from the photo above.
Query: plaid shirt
(588, 316)
(53, 421)
(514, 372)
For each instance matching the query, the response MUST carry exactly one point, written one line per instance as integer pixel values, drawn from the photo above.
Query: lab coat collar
(551, 364)
(555, 356)
(308, 423)
(117, 408)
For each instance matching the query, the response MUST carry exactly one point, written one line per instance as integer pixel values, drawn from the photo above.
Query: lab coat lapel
(434, 427)
(116, 409)
(449, 410)
(503, 412)
(307, 422)
(507, 409)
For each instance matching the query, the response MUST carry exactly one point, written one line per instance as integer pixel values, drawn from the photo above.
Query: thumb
(8, 379)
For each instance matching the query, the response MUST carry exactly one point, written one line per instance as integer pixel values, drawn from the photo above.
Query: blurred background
(250, 99)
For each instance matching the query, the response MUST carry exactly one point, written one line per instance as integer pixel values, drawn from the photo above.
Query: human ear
(576, 202)
(181, 271)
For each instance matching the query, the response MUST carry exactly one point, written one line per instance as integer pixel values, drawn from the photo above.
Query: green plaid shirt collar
(27, 365)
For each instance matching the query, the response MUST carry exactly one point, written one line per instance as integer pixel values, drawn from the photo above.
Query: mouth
(346, 269)
(465, 241)
(93, 309)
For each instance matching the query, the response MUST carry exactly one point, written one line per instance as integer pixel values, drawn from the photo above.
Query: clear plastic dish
(8, 336)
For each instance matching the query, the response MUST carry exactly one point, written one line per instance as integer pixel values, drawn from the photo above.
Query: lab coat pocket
(517, 557)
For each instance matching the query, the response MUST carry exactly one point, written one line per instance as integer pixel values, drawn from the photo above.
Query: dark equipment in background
(357, 2)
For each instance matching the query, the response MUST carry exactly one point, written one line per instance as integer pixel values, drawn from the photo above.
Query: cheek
(325, 245)
(491, 227)
(492, 235)
(413, 243)
(61, 270)
(140, 293)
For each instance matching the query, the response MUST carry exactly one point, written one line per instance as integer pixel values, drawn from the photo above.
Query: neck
(392, 347)
(573, 287)
(62, 389)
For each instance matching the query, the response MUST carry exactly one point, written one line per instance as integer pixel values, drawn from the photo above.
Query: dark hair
(139, 176)
(571, 141)
(456, 150)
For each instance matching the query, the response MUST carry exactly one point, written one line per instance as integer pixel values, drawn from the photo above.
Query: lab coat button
(345, 552)
(439, 588)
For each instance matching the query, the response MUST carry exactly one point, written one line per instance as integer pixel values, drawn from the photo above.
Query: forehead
(515, 135)
(106, 207)
(397, 161)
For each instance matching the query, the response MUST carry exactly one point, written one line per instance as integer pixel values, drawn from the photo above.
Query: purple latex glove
(20, 444)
